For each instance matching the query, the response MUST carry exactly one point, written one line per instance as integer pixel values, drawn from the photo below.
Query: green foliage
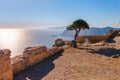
(78, 25)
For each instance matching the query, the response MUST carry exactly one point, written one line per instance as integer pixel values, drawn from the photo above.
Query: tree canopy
(78, 25)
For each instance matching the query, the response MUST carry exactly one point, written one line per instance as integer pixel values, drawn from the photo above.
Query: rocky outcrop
(112, 35)
(61, 42)
(6, 72)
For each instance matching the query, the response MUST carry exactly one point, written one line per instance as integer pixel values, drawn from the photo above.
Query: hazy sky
(44, 13)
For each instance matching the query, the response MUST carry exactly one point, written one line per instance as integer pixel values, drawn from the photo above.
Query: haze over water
(48, 13)
(18, 39)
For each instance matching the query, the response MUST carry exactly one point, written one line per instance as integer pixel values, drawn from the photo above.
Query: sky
(53, 13)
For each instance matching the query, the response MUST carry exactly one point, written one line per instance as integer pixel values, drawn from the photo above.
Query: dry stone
(6, 72)
(18, 64)
(31, 56)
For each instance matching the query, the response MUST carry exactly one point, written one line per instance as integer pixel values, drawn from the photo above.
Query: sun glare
(8, 37)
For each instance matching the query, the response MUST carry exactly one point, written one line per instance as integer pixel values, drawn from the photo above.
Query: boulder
(59, 43)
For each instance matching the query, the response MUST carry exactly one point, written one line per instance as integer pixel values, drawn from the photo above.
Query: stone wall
(6, 72)
(18, 64)
(95, 39)
(31, 56)
(91, 39)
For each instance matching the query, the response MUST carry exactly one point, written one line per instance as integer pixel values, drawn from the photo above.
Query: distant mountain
(91, 31)
(62, 27)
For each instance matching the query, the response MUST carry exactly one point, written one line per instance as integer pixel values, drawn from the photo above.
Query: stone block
(18, 64)
(6, 72)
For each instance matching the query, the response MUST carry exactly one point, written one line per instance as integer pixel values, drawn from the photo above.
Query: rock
(118, 55)
(35, 50)
(59, 43)
(114, 56)
(7, 52)
(65, 47)
(1, 53)
(68, 42)
(27, 78)
(5, 65)
(18, 64)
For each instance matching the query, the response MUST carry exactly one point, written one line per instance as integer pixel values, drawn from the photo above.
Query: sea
(18, 39)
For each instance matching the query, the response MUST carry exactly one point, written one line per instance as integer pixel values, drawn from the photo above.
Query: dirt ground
(79, 64)
(75, 64)
(82, 63)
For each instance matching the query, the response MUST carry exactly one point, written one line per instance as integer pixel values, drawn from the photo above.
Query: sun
(8, 37)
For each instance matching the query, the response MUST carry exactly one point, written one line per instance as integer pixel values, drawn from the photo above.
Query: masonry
(6, 72)
(96, 38)
(30, 57)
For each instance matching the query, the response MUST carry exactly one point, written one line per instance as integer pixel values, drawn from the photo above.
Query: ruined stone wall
(91, 39)
(6, 72)
(31, 56)
(95, 39)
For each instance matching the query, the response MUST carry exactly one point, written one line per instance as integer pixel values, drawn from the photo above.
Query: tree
(78, 25)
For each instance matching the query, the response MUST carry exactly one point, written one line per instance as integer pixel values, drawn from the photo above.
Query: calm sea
(18, 39)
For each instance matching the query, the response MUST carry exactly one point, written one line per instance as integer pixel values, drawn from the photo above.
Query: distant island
(92, 31)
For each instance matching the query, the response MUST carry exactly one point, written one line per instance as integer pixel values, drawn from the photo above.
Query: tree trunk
(74, 42)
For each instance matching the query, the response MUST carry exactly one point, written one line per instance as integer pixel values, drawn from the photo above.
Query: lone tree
(78, 25)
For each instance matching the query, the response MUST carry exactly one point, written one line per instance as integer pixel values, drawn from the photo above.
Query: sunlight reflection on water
(18, 39)
(11, 39)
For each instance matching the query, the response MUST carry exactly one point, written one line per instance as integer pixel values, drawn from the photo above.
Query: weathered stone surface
(54, 50)
(5, 65)
(31, 56)
(8, 75)
(66, 47)
(18, 64)
(38, 58)
(68, 42)
(35, 50)
(59, 43)
(33, 59)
